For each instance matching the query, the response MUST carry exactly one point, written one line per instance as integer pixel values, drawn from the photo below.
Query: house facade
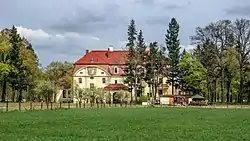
(105, 69)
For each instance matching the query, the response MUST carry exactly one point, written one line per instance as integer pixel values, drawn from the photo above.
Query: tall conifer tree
(173, 47)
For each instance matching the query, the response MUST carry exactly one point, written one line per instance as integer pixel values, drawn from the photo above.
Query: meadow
(126, 124)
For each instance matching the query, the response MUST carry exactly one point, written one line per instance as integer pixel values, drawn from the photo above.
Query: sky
(61, 30)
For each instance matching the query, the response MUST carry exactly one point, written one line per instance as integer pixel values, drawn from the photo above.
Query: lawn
(127, 124)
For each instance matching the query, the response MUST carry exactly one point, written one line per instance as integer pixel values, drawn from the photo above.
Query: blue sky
(63, 29)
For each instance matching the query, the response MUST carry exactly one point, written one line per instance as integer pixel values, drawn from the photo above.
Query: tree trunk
(20, 97)
(228, 90)
(4, 90)
(208, 91)
(222, 89)
(240, 96)
(215, 92)
(173, 86)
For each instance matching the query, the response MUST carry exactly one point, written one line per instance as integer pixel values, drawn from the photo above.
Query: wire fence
(5, 107)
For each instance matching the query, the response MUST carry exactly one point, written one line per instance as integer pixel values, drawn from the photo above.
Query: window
(81, 72)
(116, 70)
(79, 80)
(91, 77)
(102, 72)
(92, 85)
(104, 80)
(115, 81)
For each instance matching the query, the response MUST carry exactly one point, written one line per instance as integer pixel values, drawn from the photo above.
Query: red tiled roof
(116, 87)
(102, 57)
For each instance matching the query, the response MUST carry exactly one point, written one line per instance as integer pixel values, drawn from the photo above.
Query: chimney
(111, 48)
(108, 53)
(87, 51)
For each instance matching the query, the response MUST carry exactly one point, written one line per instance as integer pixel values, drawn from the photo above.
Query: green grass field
(127, 124)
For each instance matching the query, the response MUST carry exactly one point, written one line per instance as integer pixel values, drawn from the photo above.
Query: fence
(4, 107)
(52, 106)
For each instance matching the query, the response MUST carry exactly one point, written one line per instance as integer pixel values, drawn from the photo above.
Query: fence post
(41, 105)
(76, 105)
(126, 104)
(30, 105)
(68, 104)
(19, 106)
(115, 104)
(80, 104)
(60, 104)
(84, 104)
(97, 104)
(7, 105)
(51, 105)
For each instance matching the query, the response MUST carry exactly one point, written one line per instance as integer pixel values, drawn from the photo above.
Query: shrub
(143, 98)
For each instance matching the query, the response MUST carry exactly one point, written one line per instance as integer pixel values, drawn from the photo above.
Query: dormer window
(92, 60)
(115, 70)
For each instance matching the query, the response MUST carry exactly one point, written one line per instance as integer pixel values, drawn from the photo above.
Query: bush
(143, 98)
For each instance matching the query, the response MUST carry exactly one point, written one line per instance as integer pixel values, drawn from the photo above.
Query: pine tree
(151, 67)
(140, 57)
(15, 59)
(130, 62)
(173, 47)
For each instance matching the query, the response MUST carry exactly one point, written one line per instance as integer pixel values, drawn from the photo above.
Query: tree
(131, 62)
(231, 72)
(242, 39)
(140, 56)
(212, 41)
(173, 47)
(122, 96)
(5, 67)
(16, 61)
(193, 73)
(100, 94)
(151, 67)
(46, 90)
(81, 94)
(60, 73)
(23, 63)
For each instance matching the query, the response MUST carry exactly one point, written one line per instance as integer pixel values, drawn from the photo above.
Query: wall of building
(97, 79)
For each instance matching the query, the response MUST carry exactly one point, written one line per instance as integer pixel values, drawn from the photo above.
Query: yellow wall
(83, 73)
(101, 73)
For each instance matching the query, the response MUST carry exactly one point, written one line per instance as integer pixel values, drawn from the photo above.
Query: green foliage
(123, 96)
(60, 73)
(81, 94)
(192, 72)
(173, 47)
(143, 98)
(46, 90)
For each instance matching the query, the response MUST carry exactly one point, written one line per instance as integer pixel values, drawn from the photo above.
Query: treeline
(22, 77)
(217, 68)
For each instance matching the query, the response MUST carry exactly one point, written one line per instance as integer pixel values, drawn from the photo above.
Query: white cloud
(188, 48)
(39, 36)
(33, 34)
